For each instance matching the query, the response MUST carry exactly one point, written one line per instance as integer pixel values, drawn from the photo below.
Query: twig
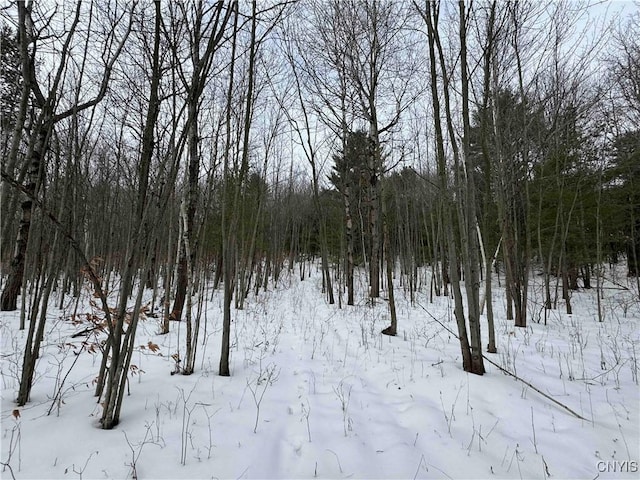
(337, 459)
(419, 465)
(58, 395)
(533, 427)
(6, 465)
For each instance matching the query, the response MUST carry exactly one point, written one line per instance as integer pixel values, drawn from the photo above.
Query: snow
(336, 398)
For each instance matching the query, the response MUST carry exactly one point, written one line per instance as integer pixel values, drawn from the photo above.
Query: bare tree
(209, 22)
(121, 334)
(358, 79)
(470, 247)
(464, 187)
(46, 121)
(236, 170)
(306, 136)
(39, 145)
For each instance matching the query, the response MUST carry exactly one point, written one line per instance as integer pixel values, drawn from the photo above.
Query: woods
(163, 147)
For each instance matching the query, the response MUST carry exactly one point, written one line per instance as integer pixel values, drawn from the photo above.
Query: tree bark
(470, 238)
(430, 15)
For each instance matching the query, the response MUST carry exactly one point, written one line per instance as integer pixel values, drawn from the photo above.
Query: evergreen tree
(349, 177)
(624, 180)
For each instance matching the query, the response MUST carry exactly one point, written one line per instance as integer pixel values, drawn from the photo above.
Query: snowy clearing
(317, 392)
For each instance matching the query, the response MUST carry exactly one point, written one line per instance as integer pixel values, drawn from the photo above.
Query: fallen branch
(534, 388)
(562, 405)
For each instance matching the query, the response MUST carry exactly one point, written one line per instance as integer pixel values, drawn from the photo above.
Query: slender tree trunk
(201, 64)
(37, 323)
(119, 348)
(8, 300)
(42, 133)
(470, 239)
(431, 18)
(9, 164)
(390, 260)
(229, 211)
(349, 244)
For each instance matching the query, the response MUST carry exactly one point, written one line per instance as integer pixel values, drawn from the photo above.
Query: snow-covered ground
(317, 391)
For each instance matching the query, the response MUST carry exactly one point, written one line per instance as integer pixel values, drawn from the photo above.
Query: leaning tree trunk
(120, 342)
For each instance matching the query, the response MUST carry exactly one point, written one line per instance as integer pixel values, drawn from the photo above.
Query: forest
(192, 181)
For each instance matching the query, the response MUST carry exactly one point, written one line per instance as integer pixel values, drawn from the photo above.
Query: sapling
(624, 438)
(186, 420)
(60, 382)
(209, 417)
(449, 418)
(135, 454)
(634, 362)
(80, 471)
(517, 457)
(313, 382)
(13, 360)
(473, 436)
(533, 427)
(306, 411)
(345, 398)
(266, 378)
(509, 356)
(527, 333)
(346, 350)
(363, 334)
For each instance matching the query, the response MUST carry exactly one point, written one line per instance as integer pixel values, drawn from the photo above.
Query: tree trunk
(9, 164)
(389, 260)
(374, 202)
(120, 342)
(9, 298)
(470, 238)
(349, 244)
(232, 185)
(447, 215)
